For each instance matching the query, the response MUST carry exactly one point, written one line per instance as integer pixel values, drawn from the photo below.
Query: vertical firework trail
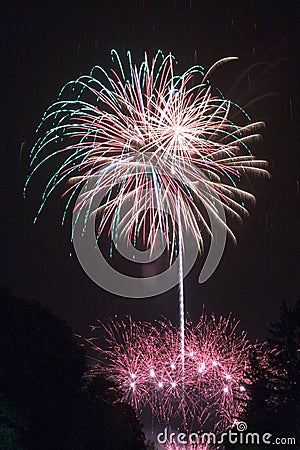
(181, 290)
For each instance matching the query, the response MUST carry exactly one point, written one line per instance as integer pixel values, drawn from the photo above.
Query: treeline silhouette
(46, 399)
(274, 404)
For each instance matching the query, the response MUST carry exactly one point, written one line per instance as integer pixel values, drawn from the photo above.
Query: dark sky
(46, 45)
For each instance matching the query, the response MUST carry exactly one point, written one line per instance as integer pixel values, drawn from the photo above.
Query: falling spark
(291, 109)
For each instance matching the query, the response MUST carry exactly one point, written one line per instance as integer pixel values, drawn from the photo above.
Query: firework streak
(145, 360)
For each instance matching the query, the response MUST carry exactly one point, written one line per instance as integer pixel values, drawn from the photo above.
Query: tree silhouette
(274, 405)
(47, 401)
(285, 362)
(10, 426)
(258, 416)
(41, 369)
(107, 422)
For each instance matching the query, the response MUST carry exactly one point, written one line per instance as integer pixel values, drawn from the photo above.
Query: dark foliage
(274, 405)
(106, 422)
(46, 400)
(41, 370)
(285, 382)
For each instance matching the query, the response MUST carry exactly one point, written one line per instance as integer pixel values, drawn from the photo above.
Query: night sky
(46, 45)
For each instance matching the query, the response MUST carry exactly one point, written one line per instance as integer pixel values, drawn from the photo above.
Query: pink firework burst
(144, 360)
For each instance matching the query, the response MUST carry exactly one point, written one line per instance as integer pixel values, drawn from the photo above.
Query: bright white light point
(132, 384)
(152, 373)
(191, 353)
(201, 368)
(160, 384)
(173, 384)
(177, 129)
(172, 366)
(225, 389)
(214, 363)
(228, 377)
(242, 389)
(133, 376)
(173, 171)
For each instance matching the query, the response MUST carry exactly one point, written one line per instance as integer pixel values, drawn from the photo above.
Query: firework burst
(145, 362)
(152, 138)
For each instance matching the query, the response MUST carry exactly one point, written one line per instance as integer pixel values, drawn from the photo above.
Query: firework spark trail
(181, 291)
(144, 360)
